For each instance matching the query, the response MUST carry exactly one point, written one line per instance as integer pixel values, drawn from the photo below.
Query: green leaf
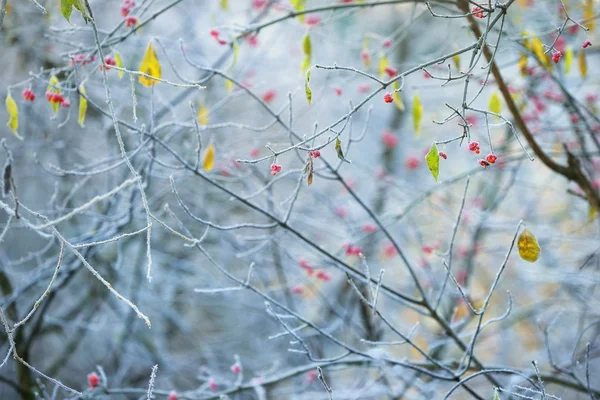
(433, 161)
(66, 8)
(339, 151)
(307, 90)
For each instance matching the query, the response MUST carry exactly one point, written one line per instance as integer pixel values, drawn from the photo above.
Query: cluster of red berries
(489, 160)
(353, 250)
(126, 7)
(474, 147)
(275, 168)
(131, 21)
(388, 98)
(28, 95)
(217, 35)
(556, 56)
(58, 98)
(81, 59)
(477, 12)
(314, 154)
(108, 61)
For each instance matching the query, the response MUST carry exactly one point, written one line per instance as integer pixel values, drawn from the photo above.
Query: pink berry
(93, 380)
(214, 33)
(443, 155)
(477, 12)
(491, 158)
(473, 146)
(388, 97)
(213, 385)
(412, 162)
(389, 139)
(173, 396)
(369, 228)
(392, 72)
(65, 103)
(269, 95)
(312, 20)
(311, 376)
(585, 44)
(387, 43)
(324, 276)
(236, 368)
(337, 91)
(556, 57)
(254, 153)
(131, 21)
(298, 290)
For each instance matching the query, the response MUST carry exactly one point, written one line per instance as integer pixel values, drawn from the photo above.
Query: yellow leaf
(224, 4)
(202, 115)
(538, 49)
(298, 5)
(383, 64)
(53, 88)
(417, 114)
(150, 66)
(495, 104)
(568, 59)
(582, 63)
(13, 116)
(529, 249)
(209, 158)
(526, 42)
(456, 60)
(82, 105)
(228, 85)
(307, 49)
(119, 63)
(592, 213)
(589, 14)
(523, 64)
(396, 96)
(307, 90)
(433, 161)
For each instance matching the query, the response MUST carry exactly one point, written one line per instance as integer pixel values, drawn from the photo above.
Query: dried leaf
(396, 96)
(7, 177)
(82, 105)
(417, 114)
(433, 161)
(209, 158)
(495, 104)
(310, 167)
(568, 59)
(13, 116)
(307, 90)
(582, 63)
(119, 63)
(339, 151)
(150, 66)
(528, 246)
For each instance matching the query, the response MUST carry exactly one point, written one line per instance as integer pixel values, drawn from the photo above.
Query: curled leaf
(307, 90)
(209, 158)
(528, 246)
(433, 161)
(119, 63)
(417, 113)
(150, 66)
(13, 116)
(495, 104)
(582, 63)
(82, 105)
(339, 151)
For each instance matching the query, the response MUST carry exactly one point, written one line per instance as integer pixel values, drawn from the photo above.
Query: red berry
(173, 396)
(312, 20)
(556, 56)
(477, 12)
(412, 162)
(388, 97)
(473, 146)
(483, 163)
(585, 44)
(131, 21)
(93, 380)
(213, 385)
(214, 33)
(323, 276)
(389, 139)
(269, 95)
(236, 368)
(443, 155)
(387, 43)
(392, 72)
(298, 290)
(337, 91)
(491, 158)
(317, 154)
